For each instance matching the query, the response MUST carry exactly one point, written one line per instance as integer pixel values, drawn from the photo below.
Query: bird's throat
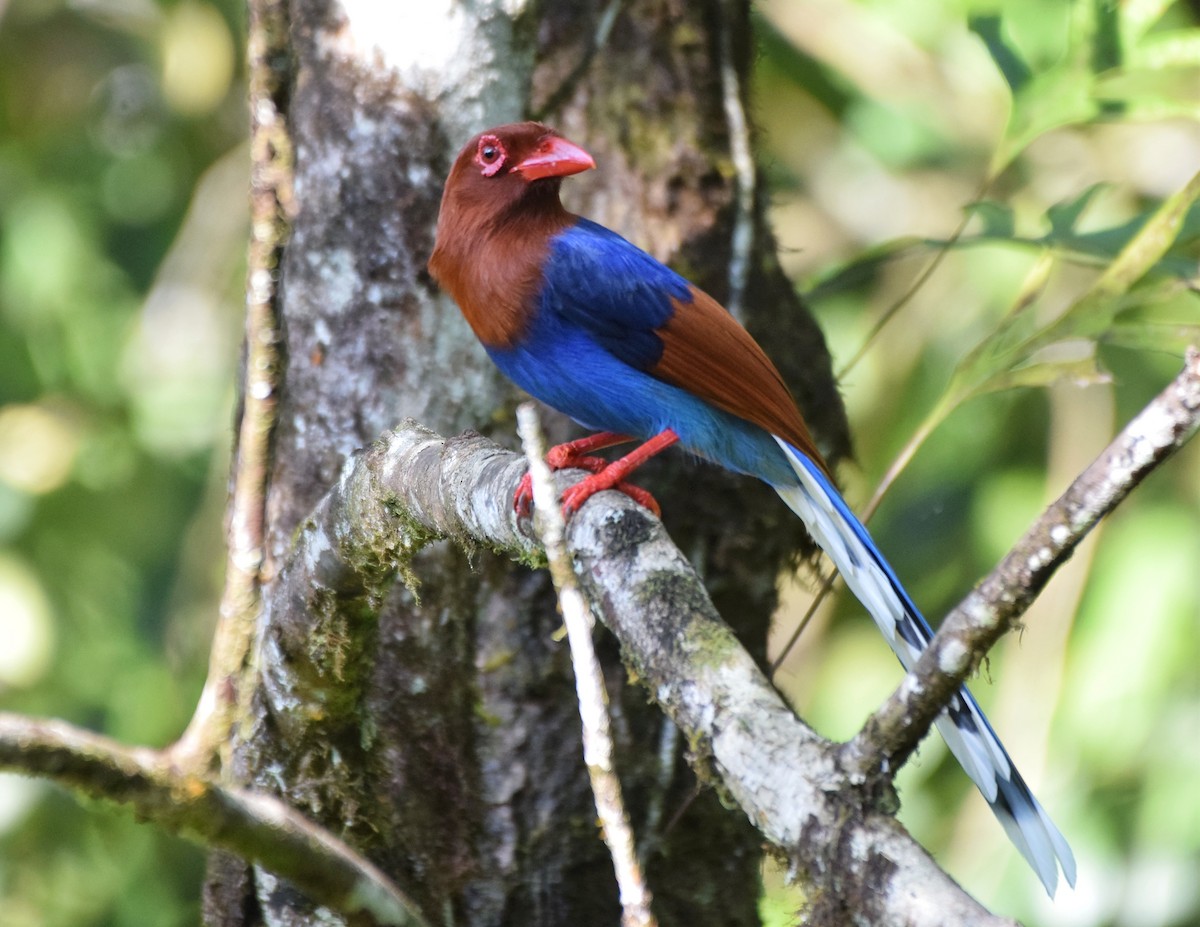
(495, 273)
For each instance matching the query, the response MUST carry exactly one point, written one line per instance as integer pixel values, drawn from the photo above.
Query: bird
(595, 327)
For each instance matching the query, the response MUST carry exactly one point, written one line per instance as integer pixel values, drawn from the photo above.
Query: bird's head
(511, 165)
(499, 210)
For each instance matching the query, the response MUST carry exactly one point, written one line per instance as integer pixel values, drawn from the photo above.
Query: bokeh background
(1052, 128)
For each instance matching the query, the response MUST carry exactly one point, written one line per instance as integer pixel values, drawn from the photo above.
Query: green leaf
(997, 219)
(1095, 310)
(1106, 50)
(1083, 371)
(997, 353)
(1148, 93)
(1175, 337)
(1012, 67)
(1058, 97)
(1177, 48)
(1063, 216)
(1137, 16)
(1103, 245)
(1009, 356)
(853, 273)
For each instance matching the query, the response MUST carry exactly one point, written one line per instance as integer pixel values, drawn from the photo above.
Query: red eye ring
(490, 155)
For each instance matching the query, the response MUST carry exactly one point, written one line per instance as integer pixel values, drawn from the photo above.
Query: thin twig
(257, 827)
(921, 278)
(206, 740)
(823, 590)
(589, 681)
(994, 606)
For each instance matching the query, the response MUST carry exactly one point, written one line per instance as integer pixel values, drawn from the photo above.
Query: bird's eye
(490, 155)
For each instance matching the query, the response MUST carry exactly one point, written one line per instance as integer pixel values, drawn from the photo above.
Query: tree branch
(995, 605)
(790, 782)
(258, 827)
(413, 486)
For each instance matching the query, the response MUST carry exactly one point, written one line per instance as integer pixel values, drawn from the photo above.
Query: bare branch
(257, 827)
(589, 682)
(994, 606)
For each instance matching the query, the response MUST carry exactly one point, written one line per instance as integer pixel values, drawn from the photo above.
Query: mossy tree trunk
(432, 722)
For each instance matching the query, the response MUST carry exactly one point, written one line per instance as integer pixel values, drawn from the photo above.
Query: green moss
(390, 541)
(487, 717)
(708, 642)
(498, 661)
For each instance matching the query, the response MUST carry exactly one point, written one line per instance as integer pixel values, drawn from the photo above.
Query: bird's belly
(582, 380)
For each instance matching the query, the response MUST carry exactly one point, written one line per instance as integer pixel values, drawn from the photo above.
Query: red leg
(613, 476)
(571, 454)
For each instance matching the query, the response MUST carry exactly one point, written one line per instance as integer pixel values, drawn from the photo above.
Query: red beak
(555, 157)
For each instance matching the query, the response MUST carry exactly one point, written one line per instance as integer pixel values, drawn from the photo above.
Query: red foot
(604, 476)
(523, 497)
(574, 496)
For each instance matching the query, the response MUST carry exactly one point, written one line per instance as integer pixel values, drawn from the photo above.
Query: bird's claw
(575, 496)
(523, 497)
(605, 474)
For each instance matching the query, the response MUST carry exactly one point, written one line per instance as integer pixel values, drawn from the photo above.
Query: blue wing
(722, 394)
(614, 291)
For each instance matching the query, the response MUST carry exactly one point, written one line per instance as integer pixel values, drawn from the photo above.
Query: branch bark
(415, 486)
(228, 683)
(257, 827)
(598, 747)
(998, 601)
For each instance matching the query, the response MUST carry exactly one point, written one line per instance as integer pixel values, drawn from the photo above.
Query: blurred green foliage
(122, 217)
(1028, 147)
(1012, 186)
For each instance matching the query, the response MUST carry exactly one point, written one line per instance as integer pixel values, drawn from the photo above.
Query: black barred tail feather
(962, 724)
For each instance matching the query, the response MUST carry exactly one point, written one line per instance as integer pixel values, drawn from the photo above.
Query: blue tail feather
(963, 725)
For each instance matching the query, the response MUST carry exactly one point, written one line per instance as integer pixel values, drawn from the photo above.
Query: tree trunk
(432, 722)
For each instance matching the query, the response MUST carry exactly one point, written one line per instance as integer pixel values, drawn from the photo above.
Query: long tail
(963, 725)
